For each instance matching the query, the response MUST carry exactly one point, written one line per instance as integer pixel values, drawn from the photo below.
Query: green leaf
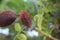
(17, 27)
(21, 37)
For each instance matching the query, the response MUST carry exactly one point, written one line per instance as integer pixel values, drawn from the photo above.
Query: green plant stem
(16, 35)
(45, 34)
(44, 38)
(52, 29)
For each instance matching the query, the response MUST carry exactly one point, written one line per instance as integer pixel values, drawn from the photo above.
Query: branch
(45, 34)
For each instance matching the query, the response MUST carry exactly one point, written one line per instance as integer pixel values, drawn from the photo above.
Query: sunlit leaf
(17, 27)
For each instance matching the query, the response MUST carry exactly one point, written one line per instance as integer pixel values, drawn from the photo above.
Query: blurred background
(46, 11)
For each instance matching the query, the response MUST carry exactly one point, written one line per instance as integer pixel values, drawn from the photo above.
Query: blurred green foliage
(39, 8)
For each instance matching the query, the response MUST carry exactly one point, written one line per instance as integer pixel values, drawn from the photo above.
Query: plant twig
(16, 35)
(52, 29)
(45, 34)
(44, 38)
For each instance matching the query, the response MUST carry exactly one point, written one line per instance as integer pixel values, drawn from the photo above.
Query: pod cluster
(7, 17)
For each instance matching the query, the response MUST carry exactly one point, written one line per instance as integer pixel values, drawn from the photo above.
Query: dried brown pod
(7, 17)
(26, 18)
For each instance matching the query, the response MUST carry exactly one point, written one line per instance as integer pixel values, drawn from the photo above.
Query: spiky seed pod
(7, 17)
(26, 18)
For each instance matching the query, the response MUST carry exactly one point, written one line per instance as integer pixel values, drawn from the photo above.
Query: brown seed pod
(7, 17)
(26, 18)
